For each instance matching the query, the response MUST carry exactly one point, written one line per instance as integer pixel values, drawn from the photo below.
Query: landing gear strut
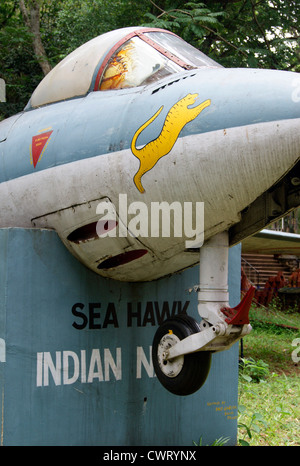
(182, 347)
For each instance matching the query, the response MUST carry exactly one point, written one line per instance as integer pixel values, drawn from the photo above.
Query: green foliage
(269, 412)
(253, 371)
(268, 409)
(64, 26)
(252, 424)
(17, 63)
(79, 21)
(220, 442)
(192, 21)
(271, 327)
(240, 33)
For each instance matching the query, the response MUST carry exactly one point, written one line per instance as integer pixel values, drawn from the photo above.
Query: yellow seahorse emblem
(178, 116)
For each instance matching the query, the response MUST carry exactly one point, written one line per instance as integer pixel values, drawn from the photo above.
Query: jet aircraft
(138, 117)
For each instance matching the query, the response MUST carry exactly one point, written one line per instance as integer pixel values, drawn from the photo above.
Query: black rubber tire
(196, 366)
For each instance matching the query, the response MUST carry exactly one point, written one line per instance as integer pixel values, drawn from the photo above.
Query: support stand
(75, 354)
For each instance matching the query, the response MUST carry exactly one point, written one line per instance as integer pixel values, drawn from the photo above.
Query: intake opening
(92, 230)
(122, 258)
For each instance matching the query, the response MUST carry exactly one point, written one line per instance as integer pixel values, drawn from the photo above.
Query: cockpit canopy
(119, 59)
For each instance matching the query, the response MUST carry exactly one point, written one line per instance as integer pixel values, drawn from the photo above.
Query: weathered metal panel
(78, 367)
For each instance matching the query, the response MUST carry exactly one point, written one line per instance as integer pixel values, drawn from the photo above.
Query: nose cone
(267, 95)
(249, 96)
(267, 104)
(244, 142)
(262, 108)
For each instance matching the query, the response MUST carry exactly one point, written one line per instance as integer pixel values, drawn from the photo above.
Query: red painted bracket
(239, 315)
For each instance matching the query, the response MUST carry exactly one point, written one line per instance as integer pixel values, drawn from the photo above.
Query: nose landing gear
(182, 347)
(184, 374)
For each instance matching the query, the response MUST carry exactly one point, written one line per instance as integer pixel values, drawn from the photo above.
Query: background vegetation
(37, 34)
(269, 388)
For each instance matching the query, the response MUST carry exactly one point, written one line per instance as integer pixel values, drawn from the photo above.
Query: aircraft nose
(268, 102)
(249, 139)
(261, 109)
(251, 96)
(278, 93)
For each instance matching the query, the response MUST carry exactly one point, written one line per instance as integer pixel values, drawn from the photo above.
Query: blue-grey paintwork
(104, 122)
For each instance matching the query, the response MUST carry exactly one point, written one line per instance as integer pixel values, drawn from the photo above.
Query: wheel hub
(170, 367)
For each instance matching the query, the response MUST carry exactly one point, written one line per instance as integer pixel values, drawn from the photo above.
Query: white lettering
(54, 369)
(162, 223)
(73, 367)
(138, 225)
(296, 91)
(165, 208)
(107, 209)
(2, 350)
(295, 357)
(39, 369)
(95, 361)
(83, 366)
(123, 215)
(142, 360)
(171, 455)
(2, 93)
(198, 231)
(109, 363)
(67, 380)
(114, 456)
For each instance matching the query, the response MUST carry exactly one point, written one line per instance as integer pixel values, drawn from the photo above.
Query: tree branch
(218, 36)
(31, 16)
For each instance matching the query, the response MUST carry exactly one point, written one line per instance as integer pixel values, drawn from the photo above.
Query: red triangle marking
(38, 144)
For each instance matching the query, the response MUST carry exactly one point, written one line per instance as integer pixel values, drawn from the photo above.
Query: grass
(269, 386)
